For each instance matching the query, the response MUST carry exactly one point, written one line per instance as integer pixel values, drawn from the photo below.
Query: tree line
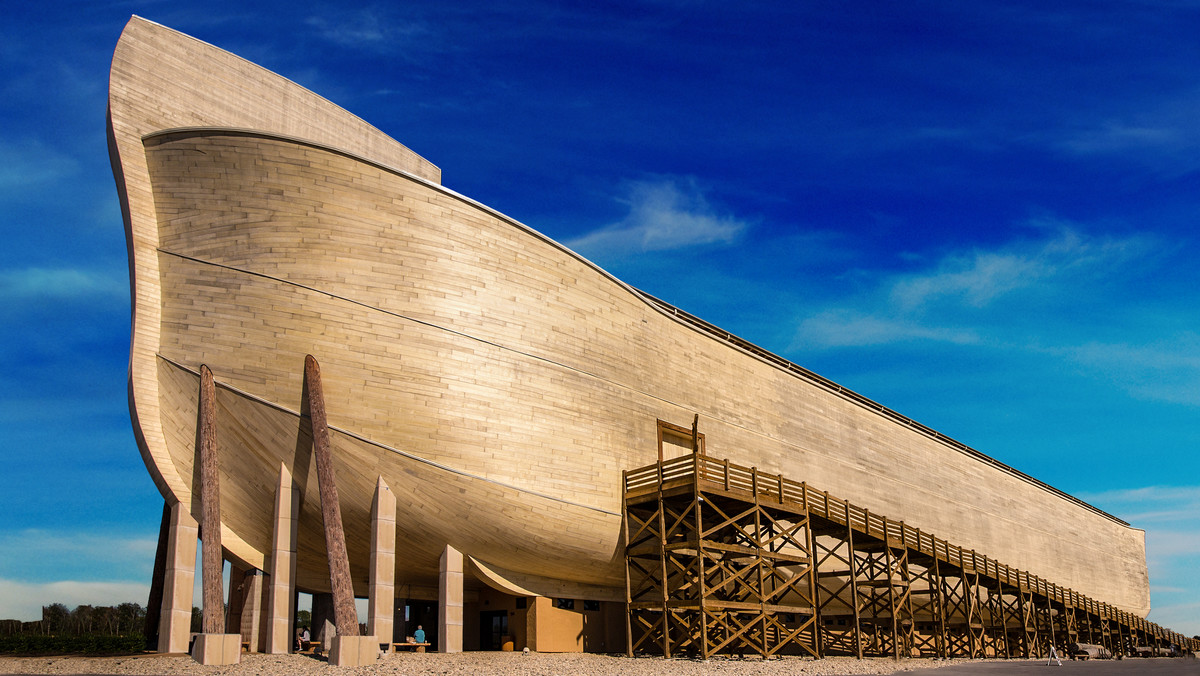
(86, 629)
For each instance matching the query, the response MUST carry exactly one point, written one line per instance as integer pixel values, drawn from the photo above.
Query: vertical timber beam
(666, 580)
(698, 503)
(450, 600)
(628, 562)
(853, 558)
(174, 628)
(345, 616)
(381, 603)
(281, 592)
(213, 609)
(213, 646)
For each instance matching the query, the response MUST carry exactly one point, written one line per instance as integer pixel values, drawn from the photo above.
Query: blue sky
(982, 215)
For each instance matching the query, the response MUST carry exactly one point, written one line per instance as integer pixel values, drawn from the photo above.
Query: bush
(89, 644)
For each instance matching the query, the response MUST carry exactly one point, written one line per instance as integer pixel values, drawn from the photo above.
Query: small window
(591, 605)
(564, 604)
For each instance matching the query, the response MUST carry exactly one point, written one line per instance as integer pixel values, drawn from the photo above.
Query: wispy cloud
(665, 213)
(1160, 134)
(846, 328)
(59, 283)
(1161, 370)
(368, 29)
(943, 300)
(979, 277)
(31, 163)
(1151, 504)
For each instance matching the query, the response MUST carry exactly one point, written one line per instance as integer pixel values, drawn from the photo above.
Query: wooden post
(345, 616)
(213, 617)
(628, 582)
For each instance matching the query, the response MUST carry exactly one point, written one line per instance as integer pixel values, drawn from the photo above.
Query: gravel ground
(470, 664)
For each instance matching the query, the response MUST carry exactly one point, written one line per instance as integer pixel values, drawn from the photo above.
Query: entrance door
(493, 627)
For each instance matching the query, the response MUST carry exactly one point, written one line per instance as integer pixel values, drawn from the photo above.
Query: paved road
(1129, 667)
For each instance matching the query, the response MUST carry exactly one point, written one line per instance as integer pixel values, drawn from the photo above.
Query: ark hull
(498, 382)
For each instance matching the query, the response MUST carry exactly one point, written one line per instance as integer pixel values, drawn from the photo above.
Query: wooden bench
(416, 647)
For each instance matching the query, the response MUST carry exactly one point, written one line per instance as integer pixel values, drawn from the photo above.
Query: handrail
(775, 488)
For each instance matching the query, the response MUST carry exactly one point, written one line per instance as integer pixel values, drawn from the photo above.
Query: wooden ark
(497, 382)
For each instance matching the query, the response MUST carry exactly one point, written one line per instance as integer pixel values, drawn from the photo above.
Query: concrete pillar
(281, 595)
(450, 601)
(175, 623)
(254, 600)
(233, 604)
(323, 628)
(381, 601)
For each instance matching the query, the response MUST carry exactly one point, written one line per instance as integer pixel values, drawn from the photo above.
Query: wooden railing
(765, 487)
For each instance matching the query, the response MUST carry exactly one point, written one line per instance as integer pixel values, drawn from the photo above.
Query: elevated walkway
(725, 559)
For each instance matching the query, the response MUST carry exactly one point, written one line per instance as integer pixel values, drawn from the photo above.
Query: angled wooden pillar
(213, 646)
(345, 617)
(450, 601)
(381, 603)
(213, 609)
(175, 623)
(349, 649)
(281, 584)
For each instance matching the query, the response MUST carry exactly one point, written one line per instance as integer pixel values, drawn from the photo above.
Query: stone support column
(381, 603)
(233, 606)
(281, 584)
(254, 599)
(450, 601)
(175, 623)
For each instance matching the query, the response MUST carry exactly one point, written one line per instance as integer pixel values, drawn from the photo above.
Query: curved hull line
(681, 317)
(411, 456)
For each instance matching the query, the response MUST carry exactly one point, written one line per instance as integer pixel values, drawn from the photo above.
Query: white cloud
(1152, 504)
(1165, 370)
(664, 214)
(942, 301)
(27, 164)
(368, 29)
(24, 600)
(977, 278)
(845, 328)
(58, 283)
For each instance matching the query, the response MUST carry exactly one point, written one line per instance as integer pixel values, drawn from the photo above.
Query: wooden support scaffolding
(725, 559)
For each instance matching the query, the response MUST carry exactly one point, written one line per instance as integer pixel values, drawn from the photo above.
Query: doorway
(493, 629)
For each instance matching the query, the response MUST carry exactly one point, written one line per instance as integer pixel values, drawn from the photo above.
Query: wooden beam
(345, 616)
(213, 613)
